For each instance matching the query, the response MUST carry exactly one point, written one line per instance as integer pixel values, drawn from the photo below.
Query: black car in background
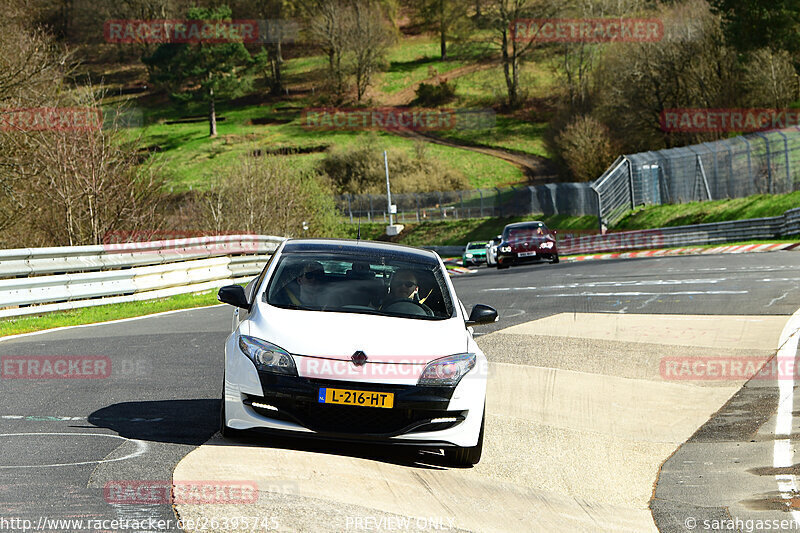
(526, 242)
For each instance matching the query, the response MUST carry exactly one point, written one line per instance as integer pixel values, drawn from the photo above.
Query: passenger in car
(303, 291)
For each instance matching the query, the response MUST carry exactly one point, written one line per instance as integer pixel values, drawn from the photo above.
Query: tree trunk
(212, 115)
(506, 71)
(443, 30)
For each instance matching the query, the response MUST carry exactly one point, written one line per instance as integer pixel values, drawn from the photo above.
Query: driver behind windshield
(404, 285)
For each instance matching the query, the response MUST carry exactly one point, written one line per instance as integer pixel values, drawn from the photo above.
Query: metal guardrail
(786, 225)
(39, 280)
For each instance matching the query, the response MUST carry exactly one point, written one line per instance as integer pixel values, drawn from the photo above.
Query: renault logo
(359, 358)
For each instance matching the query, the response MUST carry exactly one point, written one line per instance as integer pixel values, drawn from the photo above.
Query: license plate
(360, 398)
(527, 254)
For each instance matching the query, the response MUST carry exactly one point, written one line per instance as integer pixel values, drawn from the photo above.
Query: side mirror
(233, 295)
(482, 314)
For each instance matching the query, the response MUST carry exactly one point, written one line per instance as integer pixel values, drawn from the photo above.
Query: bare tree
(328, 26)
(82, 183)
(503, 15)
(266, 195)
(691, 67)
(368, 39)
(32, 67)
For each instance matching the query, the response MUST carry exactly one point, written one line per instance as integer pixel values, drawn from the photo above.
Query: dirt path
(407, 95)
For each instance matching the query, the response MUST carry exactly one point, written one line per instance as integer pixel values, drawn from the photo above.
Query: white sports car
(358, 341)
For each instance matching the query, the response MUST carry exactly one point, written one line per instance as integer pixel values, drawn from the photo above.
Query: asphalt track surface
(62, 441)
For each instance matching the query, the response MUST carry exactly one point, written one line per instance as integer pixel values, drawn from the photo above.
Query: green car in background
(474, 254)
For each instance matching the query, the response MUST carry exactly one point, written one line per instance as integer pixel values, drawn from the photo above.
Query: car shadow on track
(196, 421)
(173, 421)
(400, 455)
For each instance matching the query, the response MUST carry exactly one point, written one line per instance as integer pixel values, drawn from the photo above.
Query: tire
(554, 259)
(467, 456)
(501, 266)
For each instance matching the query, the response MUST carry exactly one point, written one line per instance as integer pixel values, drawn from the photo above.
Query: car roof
(524, 224)
(355, 247)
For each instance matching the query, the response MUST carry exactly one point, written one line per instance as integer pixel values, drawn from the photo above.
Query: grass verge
(663, 216)
(104, 313)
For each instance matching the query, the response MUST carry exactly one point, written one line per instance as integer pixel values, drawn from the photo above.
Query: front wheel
(501, 266)
(554, 259)
(467, 456)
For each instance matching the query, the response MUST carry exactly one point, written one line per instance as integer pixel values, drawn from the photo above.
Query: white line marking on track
(141, 448)
(782, 452)
(680, 293)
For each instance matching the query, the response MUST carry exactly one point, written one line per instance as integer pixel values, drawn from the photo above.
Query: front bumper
(513, 258)
(295, 400)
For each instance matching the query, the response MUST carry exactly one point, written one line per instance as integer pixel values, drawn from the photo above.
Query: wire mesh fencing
(760, 163)
(559, 198)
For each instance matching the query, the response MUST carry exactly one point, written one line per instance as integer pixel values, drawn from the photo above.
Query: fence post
(769, 162)
(369, 213)
(416, 198)
(480, 192)
(750, 177)
(630, 182)
(599, 210)
(350, 206)
(730, 167)
(498, 204)
(788, 164)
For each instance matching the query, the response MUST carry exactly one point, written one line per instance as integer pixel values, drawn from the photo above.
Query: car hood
(339, 335)
(530, 242)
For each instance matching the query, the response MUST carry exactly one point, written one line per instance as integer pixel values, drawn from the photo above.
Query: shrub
(586, 147)
(265, 195)
(430, 95)
(360, 170)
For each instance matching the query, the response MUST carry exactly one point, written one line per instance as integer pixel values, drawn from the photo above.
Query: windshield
(525, 233)
(369, 283)
(476, 246)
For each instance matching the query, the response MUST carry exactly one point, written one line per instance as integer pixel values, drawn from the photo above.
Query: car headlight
(546, 245)
(469, 256)
(447, 371)
(267, 356)
(505, 249)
